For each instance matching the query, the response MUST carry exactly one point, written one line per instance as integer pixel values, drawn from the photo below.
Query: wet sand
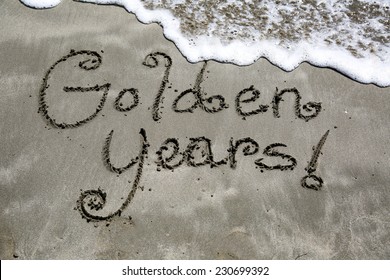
(115, 147)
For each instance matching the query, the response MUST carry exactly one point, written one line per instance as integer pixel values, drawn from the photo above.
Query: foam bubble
(350, 36)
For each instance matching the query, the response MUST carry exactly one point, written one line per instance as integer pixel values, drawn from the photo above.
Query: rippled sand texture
(81, 135)
(356, 26)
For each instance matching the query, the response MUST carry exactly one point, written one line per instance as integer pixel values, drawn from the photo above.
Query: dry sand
(193, 212)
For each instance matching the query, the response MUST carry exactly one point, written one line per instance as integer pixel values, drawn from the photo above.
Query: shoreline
(287, 54)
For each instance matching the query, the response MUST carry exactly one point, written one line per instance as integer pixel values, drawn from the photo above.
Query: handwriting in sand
(199, 150)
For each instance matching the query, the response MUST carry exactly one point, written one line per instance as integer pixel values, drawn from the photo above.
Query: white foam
(41, 4)
(365, 65)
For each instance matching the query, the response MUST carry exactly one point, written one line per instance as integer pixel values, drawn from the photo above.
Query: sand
(233, 190)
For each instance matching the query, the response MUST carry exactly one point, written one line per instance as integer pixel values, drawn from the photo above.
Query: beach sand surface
(193, 212)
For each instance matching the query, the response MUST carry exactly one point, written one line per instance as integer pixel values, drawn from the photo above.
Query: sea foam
(41, 4)
(350, 36)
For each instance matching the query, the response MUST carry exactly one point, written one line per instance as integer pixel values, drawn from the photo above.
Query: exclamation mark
(317, 182)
